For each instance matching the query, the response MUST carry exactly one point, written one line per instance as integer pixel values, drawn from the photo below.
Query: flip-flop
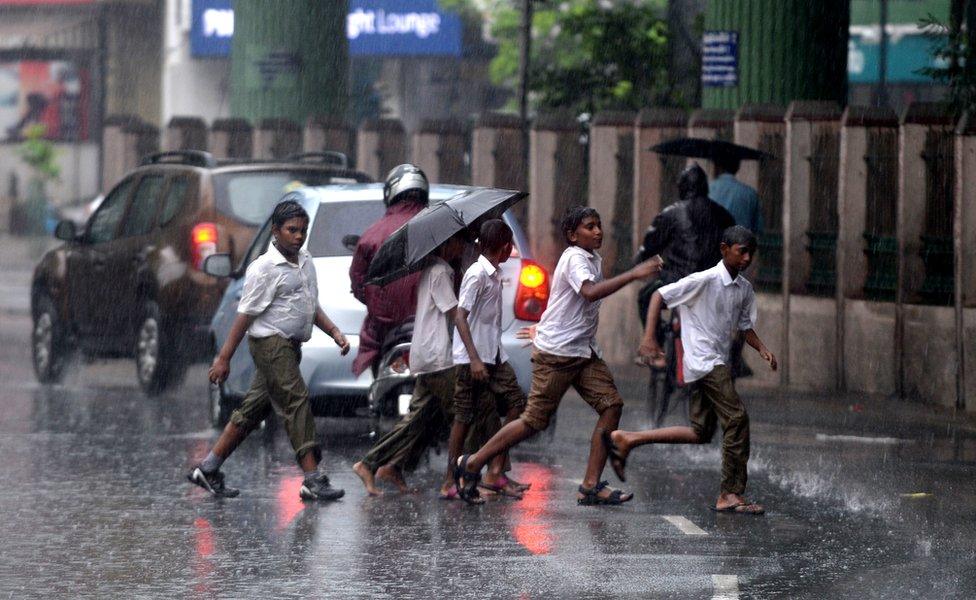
(734, 509)
(452, 494)
(618, 462)
(506, 480)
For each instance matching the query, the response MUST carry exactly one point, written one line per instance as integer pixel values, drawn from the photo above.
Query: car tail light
(203, 243)
(532, 294)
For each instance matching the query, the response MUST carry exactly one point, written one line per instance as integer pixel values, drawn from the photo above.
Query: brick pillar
(611, 184)
(498, 156)
(655, 176)
(380, 146)
(861, 169)
(964, 246)
(556, 181)
(439, 148)
(125, 140)
(185, 133)
(324, 133)
(277, 138)
(231, 138)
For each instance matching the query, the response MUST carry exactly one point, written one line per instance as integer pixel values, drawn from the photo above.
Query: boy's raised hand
(649, 268)
(650, 350)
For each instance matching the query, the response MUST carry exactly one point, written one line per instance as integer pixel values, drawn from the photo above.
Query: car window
(173, 201)
(258, 246)
(144, 204)
(336, 220)
(250, 196)
(105, 222)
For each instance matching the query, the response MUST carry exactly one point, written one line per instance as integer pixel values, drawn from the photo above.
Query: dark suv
(129, 283)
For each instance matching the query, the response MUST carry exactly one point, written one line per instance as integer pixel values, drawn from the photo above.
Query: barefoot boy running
(566, 355)
(715, 305)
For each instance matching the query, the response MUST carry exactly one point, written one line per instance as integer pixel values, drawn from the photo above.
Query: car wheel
(49, 343)
(158, 366)
(220, 406)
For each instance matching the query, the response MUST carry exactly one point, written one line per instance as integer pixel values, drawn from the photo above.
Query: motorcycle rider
(686, 234)
(405, 193)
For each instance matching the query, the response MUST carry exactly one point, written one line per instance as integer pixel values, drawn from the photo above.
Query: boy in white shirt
(716, 305)
(566, 355)
(485, 380)
(433, 393)
(278, 307)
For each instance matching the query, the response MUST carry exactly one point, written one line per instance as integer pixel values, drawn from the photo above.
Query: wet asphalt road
(866, 499)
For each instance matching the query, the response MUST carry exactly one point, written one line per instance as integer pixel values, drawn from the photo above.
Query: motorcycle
(667, 380)
(392, 387)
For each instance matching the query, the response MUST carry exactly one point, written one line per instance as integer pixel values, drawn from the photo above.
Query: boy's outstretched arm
(221, 363)
(649, 348)
(597, 291)
(753, 340)
(478, 370)
(323, 322)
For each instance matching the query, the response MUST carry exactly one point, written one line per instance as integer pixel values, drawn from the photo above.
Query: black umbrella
(708, 149)
(405, 250)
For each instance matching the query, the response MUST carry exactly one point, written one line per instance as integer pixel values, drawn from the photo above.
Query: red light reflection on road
(203, 567)
(532, 529)
(289, 502)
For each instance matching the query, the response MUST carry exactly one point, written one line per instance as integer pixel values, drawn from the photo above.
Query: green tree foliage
(954, 47)
(38, 154)
(587, 55)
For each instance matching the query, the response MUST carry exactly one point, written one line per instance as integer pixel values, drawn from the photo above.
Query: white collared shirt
(430, 348)
(568, 326)
(714, 308)
(282, 295)
(481, 296)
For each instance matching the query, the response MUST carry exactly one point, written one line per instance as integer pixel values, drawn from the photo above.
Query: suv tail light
(203, 243)
(532, 293)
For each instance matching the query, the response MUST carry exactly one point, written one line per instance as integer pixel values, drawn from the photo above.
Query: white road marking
(686, 526)
(726, 587)
(857, 439)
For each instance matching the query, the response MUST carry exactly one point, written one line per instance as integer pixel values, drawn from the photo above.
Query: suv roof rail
(196, 158)
(338, 159)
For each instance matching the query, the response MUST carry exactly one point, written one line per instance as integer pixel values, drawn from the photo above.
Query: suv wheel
(49, 342)
(220, 406)
(158, 364)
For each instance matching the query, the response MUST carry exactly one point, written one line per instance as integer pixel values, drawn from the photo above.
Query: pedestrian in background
(278, 307)
(739, 199)
(566, 354)
(715, 304)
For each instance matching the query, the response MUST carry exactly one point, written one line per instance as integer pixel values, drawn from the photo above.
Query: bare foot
(394, 476)
(367, 477)
(495, 485)
(619, 439)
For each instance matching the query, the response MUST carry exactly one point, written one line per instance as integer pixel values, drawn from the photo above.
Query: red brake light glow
(532, 294)
(203, 243)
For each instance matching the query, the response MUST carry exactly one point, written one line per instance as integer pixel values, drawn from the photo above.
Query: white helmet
(404, 178)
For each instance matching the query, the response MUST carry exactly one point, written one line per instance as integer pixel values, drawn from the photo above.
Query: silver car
(339, 215)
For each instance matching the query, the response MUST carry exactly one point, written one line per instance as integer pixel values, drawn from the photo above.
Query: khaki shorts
(471, 399)
(553, 375)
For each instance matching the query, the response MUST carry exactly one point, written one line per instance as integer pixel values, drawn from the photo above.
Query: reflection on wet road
(95, 505)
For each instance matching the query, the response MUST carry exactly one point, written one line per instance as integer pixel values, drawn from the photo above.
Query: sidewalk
(19, 257)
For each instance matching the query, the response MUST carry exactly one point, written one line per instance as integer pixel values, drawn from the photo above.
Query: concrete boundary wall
(846, 339)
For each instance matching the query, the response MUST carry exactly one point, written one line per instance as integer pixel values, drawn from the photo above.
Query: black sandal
(592, 497)
(468, 491)
(618, 462)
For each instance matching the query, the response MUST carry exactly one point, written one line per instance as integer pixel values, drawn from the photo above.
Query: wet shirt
(481, 296)
(281, 295)
(568, 325)
(430, 348)
(714, 308)
(739, 199)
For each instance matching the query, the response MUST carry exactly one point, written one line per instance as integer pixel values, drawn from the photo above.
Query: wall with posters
(52, 93)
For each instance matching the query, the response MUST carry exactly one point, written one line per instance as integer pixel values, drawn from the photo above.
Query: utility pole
(881, 93)
(525, 51)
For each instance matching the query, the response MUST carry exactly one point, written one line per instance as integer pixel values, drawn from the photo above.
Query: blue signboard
(373, 27)
(212, 28)
(402, 28)
(720, 59)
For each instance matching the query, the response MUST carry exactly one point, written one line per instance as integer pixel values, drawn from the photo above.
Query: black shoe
(317, 487)
(212, 482)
